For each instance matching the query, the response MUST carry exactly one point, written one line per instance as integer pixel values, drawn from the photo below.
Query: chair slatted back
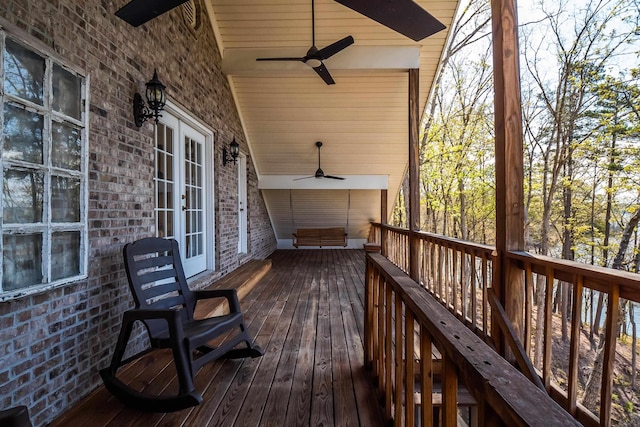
(157, 280)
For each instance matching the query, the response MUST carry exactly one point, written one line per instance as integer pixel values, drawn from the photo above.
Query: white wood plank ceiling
(285, 107)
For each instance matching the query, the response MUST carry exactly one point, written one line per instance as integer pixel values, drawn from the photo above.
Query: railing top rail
(477, 247)
(398, 230)
(596, 277)
(490, 377)
(451, 241)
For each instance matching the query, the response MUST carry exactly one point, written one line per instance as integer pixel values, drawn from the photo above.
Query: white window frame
(47, 226)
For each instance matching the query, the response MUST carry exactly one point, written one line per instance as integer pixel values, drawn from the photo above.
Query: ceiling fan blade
(404, 16)
(306, 177)
(334, 48)
(137, 12)
(334, 177)
(324, 73)
(280, 59)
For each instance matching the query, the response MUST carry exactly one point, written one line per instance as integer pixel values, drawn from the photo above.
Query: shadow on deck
(307, 313)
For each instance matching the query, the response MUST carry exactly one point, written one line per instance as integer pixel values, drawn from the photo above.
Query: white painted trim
(351, 182)
(211, 15)
(243, 61)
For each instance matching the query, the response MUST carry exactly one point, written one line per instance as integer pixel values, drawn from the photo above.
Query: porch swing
(329, 236)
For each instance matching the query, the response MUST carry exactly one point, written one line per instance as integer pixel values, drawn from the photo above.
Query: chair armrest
(230, 294)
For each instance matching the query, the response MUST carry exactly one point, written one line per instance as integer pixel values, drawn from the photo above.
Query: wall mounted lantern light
(155, 102)
(232, 155)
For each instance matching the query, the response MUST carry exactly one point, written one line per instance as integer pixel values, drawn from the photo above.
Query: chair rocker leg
(186, 397)
(251, 350)
(146, 402)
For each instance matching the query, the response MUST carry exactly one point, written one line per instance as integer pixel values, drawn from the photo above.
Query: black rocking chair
(165, 305)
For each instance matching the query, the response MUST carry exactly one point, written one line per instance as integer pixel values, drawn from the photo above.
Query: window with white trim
(43, 126)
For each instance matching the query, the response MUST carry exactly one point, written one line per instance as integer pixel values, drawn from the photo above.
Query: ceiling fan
(404, 16)
(137, 12)
(315, 56)
(319, 172)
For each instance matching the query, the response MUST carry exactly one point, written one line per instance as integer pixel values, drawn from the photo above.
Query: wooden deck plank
(352, 310)
(209, 373)
(306, 312)
(299, 408)
(345, 408)
(220, 391)
(252, 408)
(275, 408)
(322, 402)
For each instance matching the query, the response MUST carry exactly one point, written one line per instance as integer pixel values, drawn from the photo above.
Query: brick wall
(53, 343)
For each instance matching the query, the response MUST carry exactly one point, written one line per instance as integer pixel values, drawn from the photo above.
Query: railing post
(414, 174)
(384, 220)
(509, 163)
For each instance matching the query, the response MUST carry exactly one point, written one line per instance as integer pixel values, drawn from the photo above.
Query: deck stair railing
(458, 275)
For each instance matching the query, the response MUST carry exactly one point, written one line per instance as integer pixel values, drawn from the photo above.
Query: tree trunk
(595, 327)
(567, 244)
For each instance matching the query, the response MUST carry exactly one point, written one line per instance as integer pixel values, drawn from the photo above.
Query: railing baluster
(528, 308)
(548, 329)
(388, 356)
(449, 393)
(454, 280)
(464, 289)
(485, 302)
(399, 362)
(409, 372)
(426, 375)
(369, 314)
(574, 351)
(382, 315)
(611, 329)
(473, 292)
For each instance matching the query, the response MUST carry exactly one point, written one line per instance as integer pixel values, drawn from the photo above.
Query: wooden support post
(508, 282)
(414, 174)
(384, 219)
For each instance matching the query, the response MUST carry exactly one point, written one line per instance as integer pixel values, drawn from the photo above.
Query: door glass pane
(65, 199)
(24, 73)
(22, 135)
(66, 149)
(164, 181)
(65, 254)
(22, 196)
(67, 94)
(21, 261)
(194, 225)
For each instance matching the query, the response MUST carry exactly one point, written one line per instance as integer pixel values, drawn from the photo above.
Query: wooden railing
(423, 359)
(458, 274)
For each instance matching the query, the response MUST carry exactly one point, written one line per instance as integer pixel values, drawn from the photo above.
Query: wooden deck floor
(307, 314)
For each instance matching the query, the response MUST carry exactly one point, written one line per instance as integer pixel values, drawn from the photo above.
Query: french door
(181, 190)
